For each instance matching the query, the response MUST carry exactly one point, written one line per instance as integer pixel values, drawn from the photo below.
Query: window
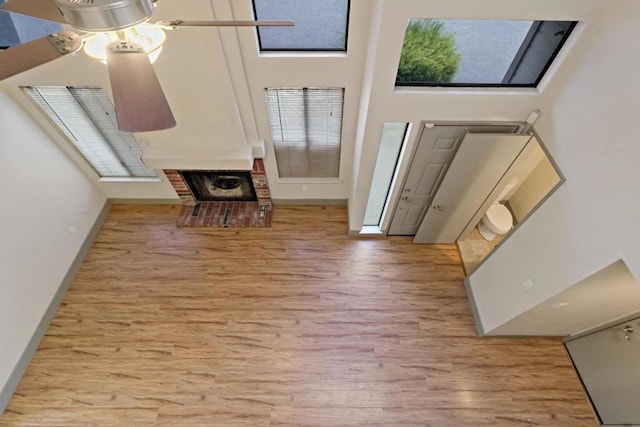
(320, 25)
(306, 127)
(459, 52)
(87, 118)
(16, 29)
(391, 141)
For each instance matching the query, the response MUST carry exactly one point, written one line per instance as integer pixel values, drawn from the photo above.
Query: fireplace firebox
(218, 185)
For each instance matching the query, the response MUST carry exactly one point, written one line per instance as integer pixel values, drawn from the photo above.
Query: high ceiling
(214, 80)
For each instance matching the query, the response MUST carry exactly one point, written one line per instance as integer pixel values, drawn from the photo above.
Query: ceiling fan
(116, 31)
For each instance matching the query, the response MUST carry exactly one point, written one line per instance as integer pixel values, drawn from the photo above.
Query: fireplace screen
(220, 185)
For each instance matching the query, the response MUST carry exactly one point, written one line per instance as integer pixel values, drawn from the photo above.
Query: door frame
(542, 201)
(596, 330)
(480, 164)
(604, 326)
(404, 163)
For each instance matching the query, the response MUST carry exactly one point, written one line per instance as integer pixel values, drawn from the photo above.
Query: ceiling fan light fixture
(150, 36)
(105, 15)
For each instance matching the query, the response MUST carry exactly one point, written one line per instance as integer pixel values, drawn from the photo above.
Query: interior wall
(310, 69)
(607, 295)
(82, 72)
(217, 92)
(533, 188)
(43, 195)
(589, 126)
(388, 103)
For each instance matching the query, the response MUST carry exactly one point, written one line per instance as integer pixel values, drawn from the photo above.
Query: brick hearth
(213, 214)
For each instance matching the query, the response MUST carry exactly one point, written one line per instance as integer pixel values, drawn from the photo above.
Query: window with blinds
(306, 127)
(87, 118)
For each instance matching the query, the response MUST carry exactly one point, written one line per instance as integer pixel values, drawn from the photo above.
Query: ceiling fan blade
(37, 52)
(181, 23)
(138, 98)
(43, 9)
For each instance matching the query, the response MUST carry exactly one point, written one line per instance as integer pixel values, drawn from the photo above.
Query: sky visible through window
(319, 25)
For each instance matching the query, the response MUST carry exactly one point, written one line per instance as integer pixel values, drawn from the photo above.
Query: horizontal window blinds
(87, 118)
(306, 127)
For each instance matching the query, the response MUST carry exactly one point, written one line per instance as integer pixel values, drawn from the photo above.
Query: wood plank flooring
(297, 325)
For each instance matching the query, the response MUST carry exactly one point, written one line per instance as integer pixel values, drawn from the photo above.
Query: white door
(480, 162)
(435, 151)
(607, 362)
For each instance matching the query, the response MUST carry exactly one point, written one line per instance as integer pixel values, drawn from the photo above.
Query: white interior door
(480, 162)
(434, 153)
(436, 149)
(607, 362)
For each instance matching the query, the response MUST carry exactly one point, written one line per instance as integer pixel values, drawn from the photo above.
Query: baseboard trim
(146, 201)
(307, 202)
(16, 375)
(474, 309)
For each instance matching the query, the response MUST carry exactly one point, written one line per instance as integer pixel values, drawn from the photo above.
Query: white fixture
(498, 219)
(533, 116)
(150, 36)
(531, 119)
(105, 15)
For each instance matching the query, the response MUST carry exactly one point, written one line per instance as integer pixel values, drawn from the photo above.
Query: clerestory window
(462, 52)
(319, 25)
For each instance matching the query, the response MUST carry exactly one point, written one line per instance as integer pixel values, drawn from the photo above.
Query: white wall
(590, 128)
(78, 70)
(42, 194)
(309, 70)
(535, 184)
(214, 80)
(389, 104)
(610, 294)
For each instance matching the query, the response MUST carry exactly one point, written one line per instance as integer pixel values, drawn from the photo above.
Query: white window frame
(114, 156)
(310, 140)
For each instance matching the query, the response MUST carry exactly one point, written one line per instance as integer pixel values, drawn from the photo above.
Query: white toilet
(498, 219)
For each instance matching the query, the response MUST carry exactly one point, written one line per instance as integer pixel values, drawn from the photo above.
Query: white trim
(570, 45)
(371, 230)
(309, 181)
(470, 90)
(129, 179)
(302, 54)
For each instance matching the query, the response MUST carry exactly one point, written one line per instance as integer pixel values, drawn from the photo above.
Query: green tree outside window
(428, 54)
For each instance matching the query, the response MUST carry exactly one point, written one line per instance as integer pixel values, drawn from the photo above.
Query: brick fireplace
(235, 212)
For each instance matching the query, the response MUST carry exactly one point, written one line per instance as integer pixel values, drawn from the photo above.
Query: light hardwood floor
(295, 325)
